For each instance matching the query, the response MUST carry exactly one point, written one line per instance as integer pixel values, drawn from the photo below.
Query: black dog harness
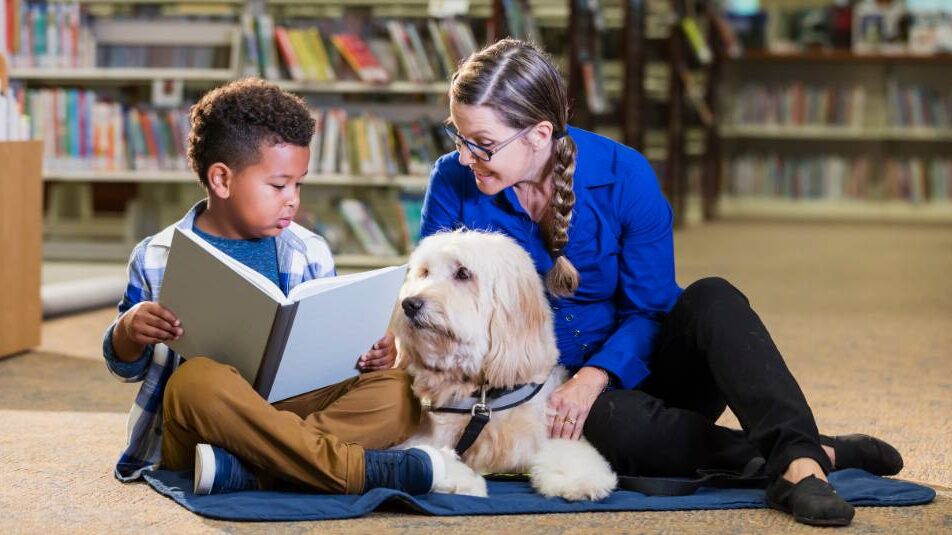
(481, 406)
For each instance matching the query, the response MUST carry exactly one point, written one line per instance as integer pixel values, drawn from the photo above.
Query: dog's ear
(521, 339)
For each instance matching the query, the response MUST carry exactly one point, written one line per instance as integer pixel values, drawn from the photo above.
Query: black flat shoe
(811, 501)
(865, 452)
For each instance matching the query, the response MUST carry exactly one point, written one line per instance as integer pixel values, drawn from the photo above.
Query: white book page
(332, 328)
(316, 286)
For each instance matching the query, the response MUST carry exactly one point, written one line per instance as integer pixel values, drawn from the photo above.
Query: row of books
(863, 26)
(416, 51)
(378, 225)
(918, 180)
(916, 106)
(799, 104)
(85, 131)
(81, 131)
(161, 57)
(46, 34)
(834, 177)
(368, 145)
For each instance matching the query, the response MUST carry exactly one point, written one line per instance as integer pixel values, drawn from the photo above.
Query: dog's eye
(462, 274)
(423, 273)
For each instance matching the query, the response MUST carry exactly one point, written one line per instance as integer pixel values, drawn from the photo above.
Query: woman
(654, 366)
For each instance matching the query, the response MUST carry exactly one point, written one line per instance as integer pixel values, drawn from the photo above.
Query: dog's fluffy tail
(571, 469)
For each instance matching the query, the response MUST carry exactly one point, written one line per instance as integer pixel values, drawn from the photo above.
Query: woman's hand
(571, 402)
(381, 356)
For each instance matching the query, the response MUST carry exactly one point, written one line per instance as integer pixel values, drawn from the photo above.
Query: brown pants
(315, 440)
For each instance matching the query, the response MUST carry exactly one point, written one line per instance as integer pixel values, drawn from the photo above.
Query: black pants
(712, 352)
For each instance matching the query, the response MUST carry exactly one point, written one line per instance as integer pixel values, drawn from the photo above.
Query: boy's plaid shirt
(302, 256)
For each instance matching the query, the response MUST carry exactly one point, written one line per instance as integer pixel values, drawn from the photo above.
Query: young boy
(249, 146)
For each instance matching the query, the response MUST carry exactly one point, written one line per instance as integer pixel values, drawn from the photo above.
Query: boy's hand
(149, 323)
(381, 356)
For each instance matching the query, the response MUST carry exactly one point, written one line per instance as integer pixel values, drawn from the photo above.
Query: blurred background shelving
(766, 109)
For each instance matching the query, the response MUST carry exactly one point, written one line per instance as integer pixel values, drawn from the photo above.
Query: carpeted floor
(863, 314)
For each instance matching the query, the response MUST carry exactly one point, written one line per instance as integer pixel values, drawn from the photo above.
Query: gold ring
(570, 421)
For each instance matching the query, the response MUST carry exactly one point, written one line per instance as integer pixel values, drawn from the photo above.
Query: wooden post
(633, 86)
(497, 23)
(711, 176)
(581, 27)
(674, 183)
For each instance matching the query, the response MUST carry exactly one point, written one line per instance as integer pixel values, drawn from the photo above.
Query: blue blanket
(509, 497)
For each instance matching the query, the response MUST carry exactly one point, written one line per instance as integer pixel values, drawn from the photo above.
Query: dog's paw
(571, 469)
(459, 478)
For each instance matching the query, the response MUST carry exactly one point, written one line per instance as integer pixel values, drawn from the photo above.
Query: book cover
(288, 54)
(360, 58)
(268, 57)
(366, 229)
(314, 41)
(282, 345)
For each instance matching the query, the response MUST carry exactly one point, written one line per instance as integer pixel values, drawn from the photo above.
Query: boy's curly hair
(231, 123)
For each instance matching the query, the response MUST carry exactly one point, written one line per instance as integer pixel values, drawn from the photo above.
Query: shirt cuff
(127, 370)
(623, 376)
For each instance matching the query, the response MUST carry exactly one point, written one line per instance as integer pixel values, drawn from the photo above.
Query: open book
(283, 346)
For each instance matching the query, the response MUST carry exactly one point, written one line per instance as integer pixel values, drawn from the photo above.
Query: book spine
(287, 52)
(274, 349)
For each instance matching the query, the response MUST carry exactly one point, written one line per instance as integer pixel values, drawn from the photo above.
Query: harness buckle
(482, 407)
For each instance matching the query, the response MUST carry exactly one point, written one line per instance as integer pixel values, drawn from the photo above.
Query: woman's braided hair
(520, 82)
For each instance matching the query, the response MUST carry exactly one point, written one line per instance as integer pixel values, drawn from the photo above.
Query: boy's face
(263, 198)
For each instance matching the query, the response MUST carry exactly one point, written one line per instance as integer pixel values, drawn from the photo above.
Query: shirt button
(584, 346)
(576, 333)
(569, 317)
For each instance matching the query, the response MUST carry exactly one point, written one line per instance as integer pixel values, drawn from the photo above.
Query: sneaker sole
(204, 469)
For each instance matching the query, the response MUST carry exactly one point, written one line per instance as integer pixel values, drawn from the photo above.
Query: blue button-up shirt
(620, 240)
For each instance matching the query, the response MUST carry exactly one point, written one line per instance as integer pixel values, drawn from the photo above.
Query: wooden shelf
(841, 56)
(104, 74)
(834, 133)
(187, 177)
(119, 252)
(833, 210)
(231, 2)
(351, 261)
(398, 87)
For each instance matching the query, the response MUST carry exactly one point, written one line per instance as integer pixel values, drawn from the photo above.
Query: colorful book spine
(288, 53)
(360, 58)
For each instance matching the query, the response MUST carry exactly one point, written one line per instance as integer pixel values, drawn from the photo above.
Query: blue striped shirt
(302, 256)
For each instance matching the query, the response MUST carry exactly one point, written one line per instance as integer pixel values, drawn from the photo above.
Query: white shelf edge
(229, 2)
(350, 261)
(833, 209)
(185, 177)
(121, 74)
(837, 133)
(396, 87)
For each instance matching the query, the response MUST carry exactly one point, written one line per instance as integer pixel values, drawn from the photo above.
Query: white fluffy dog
(474, 316)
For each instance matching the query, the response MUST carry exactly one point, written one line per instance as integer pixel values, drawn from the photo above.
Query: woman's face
(521, 159)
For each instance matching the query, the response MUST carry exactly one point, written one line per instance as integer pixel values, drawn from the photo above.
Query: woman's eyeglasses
(478, 151)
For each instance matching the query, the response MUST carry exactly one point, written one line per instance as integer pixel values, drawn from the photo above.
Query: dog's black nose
(412, 306)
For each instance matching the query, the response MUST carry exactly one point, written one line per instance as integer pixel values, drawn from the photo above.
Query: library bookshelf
(632, 81)
(75, 229)
(837, 136)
